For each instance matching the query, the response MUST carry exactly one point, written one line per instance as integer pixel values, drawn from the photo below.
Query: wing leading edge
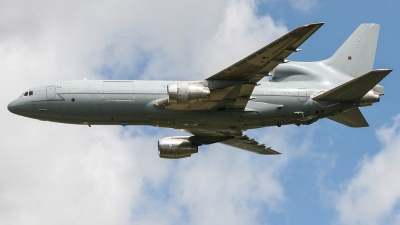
(231, 88)
(248, 71)
(257, 65)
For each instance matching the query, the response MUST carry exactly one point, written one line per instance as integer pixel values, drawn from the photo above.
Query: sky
(68, 174)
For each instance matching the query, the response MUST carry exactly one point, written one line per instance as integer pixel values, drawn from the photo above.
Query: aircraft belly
(115, 109)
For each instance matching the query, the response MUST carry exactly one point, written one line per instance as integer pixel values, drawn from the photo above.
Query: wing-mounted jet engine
(187, 93)
(176, 147)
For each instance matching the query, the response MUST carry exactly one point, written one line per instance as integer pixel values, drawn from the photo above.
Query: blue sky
(67, 174)
(344, 149)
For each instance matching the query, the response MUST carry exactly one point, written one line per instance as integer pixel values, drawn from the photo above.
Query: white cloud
(66, 174)
(371, 196)
(240, 34)
(303, 5)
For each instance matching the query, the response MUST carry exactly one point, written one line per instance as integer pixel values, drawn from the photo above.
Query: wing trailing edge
(234, 138)
(249, 144)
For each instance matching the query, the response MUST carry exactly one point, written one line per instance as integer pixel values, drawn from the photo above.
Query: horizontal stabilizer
(354, 89)
(351, 118)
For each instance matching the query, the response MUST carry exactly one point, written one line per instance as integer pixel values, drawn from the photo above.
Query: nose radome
(12, 107)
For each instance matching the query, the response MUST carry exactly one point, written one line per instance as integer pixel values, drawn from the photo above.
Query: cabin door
(50, 93)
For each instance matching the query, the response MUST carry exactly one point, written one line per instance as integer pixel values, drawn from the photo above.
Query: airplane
(220, 108)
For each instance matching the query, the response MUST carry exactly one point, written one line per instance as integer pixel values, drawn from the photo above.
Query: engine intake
(184, 92)
(176, 147)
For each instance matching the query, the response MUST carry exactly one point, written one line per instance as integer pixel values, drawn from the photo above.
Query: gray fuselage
(131, 102)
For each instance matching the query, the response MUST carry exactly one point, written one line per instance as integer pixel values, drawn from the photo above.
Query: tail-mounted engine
(370, 98)
(184, 92)
(176, 147)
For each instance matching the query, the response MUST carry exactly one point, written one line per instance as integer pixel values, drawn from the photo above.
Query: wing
(249, 144)
(231, 88)
(232, 138)
(254, 67)
(257, 65)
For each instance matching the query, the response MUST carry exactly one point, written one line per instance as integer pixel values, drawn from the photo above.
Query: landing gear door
(50, 92)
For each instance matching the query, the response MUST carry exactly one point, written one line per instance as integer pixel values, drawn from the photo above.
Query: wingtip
(273, 151)
(315, 24)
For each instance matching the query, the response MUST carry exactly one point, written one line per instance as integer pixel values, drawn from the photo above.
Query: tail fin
(351, 118)
(357, 54)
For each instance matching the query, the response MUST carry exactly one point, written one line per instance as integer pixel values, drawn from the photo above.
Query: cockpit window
(28, 93)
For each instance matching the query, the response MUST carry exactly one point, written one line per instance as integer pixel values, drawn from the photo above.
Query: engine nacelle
(368, 99)
(184, 92)
(176, 147)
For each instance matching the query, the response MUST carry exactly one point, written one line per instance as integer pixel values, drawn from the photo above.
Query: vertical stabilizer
(357, 54)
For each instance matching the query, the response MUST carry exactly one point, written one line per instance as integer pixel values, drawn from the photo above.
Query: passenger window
(30, 93)
(26, 94)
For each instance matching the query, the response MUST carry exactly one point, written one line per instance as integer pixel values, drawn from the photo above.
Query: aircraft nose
(12, 107)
